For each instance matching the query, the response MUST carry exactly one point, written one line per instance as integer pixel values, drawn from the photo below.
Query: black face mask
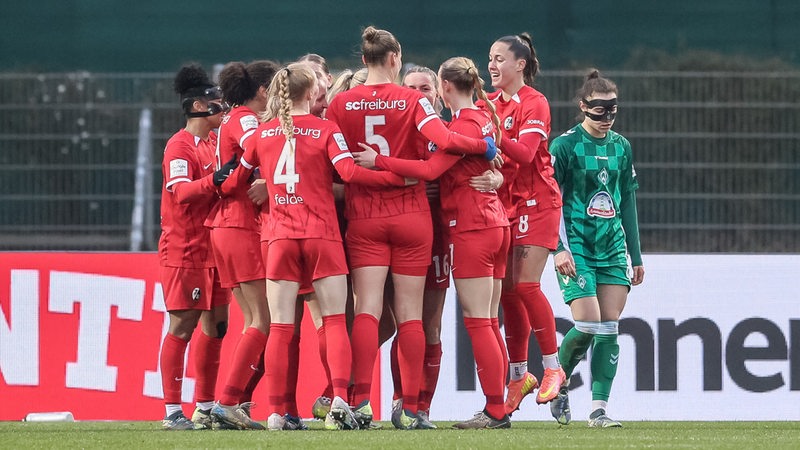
(609, 109)
(209, 95)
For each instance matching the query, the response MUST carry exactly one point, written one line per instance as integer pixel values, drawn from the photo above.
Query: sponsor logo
(254, 368)
(565, 279)
(288, 199)
(633, 172)
(207, 166)
(277, 131)
(178, 168)
(535, 122)
(178, 378)
(547, 392)
(377, 104)
(614, 359)
(602, 158)
(440, 280)
(487, 129)
(521, 236)
(601, 206)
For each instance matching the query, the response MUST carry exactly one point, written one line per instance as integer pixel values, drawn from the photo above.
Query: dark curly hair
(191, 81)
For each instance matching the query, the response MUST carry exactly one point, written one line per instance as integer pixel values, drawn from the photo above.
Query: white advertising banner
(705, 337)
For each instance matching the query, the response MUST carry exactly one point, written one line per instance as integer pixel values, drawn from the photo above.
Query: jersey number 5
(376, 139)
(285, 169)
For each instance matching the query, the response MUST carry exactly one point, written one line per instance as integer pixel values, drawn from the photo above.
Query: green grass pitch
(527, 435)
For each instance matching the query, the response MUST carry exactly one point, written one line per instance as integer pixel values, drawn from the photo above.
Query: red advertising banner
(81, 332)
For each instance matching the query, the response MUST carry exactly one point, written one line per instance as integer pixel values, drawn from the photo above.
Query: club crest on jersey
(601, 206)
(196, 294)
(432, 147)
(581, 281)
(603, 176)
(508, 123)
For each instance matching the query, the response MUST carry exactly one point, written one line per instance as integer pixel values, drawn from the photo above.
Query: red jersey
(235, 210)
(529, 180)
(300, 177)
(389, 117)
(187, 196)
(463, 208)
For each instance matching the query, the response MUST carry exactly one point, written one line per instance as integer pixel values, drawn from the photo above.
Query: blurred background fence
(717, 154)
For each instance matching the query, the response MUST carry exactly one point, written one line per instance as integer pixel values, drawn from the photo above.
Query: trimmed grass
(634, 435)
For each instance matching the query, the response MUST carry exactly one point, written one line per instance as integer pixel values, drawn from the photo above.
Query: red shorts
(537, 227)
(237, 254)
(302, 260)
(186, 288)
(480, 253)
(402, 243)
(305, 286)
(438, 276)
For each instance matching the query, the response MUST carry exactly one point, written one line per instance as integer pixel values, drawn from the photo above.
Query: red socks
(489, 360)
(206, 363)
(395, 365)
(258, 374)
(173, 350)
(339, 354)
(502, 343)
(365, 350)
(410, 339)
(277, 365)
(518, 329)
(291, 375)
(540, 315)
(244, 365)
(323, 357)
(430, 375)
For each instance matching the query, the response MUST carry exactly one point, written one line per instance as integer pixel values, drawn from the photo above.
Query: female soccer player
(478, 235)
(295, 152)
(235, 235)
(192, 291)
(437, 280)
(390, 228)
(533, 203)
(599, 233)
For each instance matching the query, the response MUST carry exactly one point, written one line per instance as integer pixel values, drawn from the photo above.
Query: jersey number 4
(376, 139)
(285, 172)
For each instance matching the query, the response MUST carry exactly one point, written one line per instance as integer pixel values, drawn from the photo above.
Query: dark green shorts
(585, 283)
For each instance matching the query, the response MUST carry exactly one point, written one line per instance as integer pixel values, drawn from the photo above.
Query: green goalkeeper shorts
(587, 279)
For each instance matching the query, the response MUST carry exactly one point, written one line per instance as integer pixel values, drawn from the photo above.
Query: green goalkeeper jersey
(596, 177)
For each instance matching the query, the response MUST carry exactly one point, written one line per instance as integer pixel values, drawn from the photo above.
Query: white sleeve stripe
(176, 181)
(341, 156)
(246, 164)
(245, 136)
(562, 231)
(533, 130)
(425, 120)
